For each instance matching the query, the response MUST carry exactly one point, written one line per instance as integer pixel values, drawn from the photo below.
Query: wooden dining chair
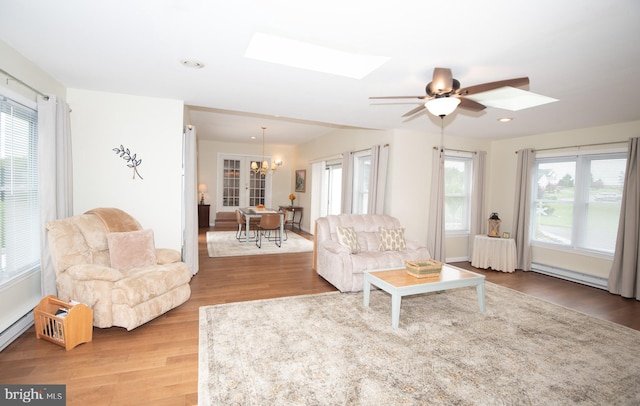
(269, 222)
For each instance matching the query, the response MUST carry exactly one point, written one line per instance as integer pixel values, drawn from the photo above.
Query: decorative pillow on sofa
(132, 249)
(347, 237)
(392, 239)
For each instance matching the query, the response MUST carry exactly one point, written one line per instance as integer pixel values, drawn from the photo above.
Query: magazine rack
(62, 323)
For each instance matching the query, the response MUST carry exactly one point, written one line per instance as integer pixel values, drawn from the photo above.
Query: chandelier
(264, 168)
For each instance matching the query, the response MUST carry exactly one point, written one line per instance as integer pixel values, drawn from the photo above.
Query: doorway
(238, 185)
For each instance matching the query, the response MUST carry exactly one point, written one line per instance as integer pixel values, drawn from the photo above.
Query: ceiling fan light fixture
(442, 106)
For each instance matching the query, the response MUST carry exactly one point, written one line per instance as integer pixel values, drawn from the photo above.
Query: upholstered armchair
(106, 260)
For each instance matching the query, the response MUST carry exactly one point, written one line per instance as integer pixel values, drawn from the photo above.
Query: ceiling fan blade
(442, 81)
(414, 111)
(398, 97)
(484, 87)
(471, 105)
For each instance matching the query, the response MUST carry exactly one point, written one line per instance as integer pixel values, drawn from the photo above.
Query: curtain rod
(580, 146)
(366, 149)
(455, 150)
(10, 76)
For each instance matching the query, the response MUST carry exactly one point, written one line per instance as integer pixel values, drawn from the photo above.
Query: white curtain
(435, 237)
(347, 182)
(378, 178)
(190, 210)
(522, 208)
(478, 218)
(624, 277)
(55, 176)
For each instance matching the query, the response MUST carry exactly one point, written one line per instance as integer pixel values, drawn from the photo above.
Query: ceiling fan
(443, 94)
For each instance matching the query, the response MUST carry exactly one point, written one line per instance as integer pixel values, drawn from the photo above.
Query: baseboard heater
(573, 276)
(15, 330)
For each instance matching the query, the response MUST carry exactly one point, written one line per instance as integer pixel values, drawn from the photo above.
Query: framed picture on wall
(301, 180)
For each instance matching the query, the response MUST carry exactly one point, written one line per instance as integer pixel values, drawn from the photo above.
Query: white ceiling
(583, 52)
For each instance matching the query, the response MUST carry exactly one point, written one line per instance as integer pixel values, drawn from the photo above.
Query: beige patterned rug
(225, 244)
(329, 350)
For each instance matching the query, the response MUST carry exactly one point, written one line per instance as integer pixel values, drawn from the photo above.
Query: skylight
(303, 55)
(510, 98)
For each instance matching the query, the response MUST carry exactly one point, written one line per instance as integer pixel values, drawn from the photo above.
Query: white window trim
(466, 156)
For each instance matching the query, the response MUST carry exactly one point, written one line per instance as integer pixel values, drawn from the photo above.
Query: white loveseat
(336, 262)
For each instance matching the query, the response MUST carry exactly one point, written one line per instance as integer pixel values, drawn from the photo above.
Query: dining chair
(268, 222)
(242, 225)
(285, 221)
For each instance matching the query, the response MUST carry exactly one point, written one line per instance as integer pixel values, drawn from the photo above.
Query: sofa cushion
(132, 249)
(348, 237)
(392, 239)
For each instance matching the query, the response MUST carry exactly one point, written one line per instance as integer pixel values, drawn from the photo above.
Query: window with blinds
(19, 214)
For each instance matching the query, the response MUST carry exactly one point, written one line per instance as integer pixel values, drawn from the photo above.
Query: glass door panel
(239, 185)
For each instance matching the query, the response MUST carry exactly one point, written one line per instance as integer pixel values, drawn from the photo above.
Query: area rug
(328, 349)
(225, 244)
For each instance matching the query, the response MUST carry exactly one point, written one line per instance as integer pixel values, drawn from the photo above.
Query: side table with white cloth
(496, 253)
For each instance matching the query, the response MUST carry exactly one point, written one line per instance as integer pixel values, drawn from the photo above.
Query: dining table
(255, 212)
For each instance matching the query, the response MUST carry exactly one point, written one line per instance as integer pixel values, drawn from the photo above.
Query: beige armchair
(104, 259)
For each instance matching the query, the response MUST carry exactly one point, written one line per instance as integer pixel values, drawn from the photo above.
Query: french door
(238, 185)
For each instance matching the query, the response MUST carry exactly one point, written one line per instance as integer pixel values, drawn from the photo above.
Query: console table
(496, 253)
(294, 210)
(203, 215)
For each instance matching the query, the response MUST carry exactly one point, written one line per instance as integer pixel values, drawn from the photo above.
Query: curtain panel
(347, 182)
(435, 237)
(624, 276)
(190, 199)
(55, 176)
(478, 222)
(522, 208)
(378, 178)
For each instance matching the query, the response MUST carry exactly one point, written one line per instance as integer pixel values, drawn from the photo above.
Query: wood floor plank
(157, 363)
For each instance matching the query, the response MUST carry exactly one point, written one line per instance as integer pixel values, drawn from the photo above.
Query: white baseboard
(15, 330)
(573, 276)
(457, 259)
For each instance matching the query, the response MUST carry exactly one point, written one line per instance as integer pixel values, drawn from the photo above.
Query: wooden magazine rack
(62, 323)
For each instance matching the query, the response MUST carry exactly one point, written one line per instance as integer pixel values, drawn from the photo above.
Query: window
(361, 173)
(19, 213)
(332, 190)
(577, 200)
(457, 193)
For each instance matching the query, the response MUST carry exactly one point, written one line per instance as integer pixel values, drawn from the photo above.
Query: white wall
(501, 190)
(408, 193)
(152, 129)
(26, 71)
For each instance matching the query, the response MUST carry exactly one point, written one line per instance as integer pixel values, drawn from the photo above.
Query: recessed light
(253, 137)
(188, 63)
(505, 119)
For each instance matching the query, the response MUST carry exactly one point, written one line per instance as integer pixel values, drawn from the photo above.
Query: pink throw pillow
(132, 249)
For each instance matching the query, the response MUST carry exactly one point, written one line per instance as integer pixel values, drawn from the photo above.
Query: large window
(19, 214)
(457, 193)
(577, 200)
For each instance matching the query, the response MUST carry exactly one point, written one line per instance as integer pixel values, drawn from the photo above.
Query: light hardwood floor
(157, 363)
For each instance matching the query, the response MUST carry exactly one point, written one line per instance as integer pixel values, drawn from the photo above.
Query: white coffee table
(399, 283)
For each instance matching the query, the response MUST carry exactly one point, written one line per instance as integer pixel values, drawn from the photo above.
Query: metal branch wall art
(131, 159)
